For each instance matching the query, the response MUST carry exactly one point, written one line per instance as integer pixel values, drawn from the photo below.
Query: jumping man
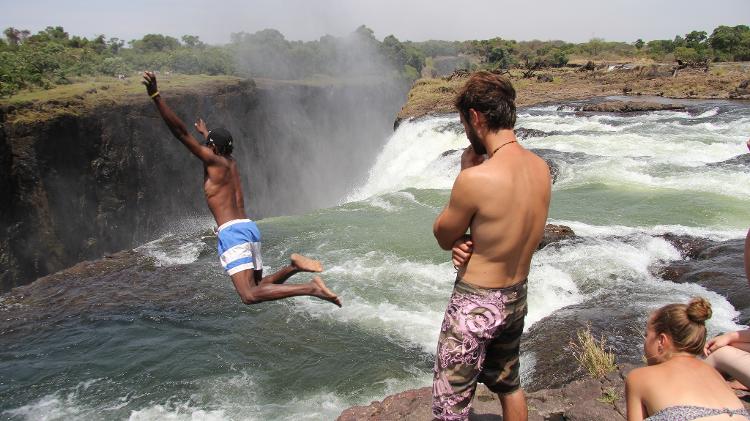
(239, 237)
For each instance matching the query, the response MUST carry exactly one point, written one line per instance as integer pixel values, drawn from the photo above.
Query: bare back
(223, 190)
(677, 382)
(511, 193)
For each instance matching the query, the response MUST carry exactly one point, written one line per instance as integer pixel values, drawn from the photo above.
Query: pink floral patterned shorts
(479, 342)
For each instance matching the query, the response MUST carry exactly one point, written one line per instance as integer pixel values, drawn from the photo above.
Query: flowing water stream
(168, 338)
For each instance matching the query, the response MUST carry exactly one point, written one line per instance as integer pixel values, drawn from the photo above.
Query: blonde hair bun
(698, 310)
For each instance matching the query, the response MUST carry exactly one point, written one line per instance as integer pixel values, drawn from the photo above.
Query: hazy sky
(417, 20)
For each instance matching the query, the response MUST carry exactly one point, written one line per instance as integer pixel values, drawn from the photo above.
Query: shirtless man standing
(239, 237)
(504, 200)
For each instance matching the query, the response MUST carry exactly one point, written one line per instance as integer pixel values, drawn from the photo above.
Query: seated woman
(730, 354)
(676, 385)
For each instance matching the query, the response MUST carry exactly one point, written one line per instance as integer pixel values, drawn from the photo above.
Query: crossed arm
(453, 222)
(175, 124)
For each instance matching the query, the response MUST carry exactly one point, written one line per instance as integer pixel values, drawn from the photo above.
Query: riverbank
(722, 81)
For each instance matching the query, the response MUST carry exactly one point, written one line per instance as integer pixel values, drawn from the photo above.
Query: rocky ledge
(582, 400)
(628, 107)
(588, 399)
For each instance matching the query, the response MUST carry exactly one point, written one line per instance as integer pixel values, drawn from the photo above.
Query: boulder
(716, 265)
(628, 107)
(738, 161)
(555, 234)
(523, 133)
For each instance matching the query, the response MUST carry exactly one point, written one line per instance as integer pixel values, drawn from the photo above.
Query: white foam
(171, 250)
(412, 158)
(389, 278)
(710, 113)
(48, 408)
(181, 412)
(587, 230)
(549, 290)
(662, 149)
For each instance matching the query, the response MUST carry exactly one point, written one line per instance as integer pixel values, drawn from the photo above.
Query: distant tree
(678, 41)
(731, 43)
(691, 57)
(114, 66)
(500, 57)
(98, 44)
(594, 46)
(15, 37)
(192, 41)
(77, 42)
(639, 44)
(695, 39)
(154, 43)
(114, 45)
(365, 33)
(402, 55)
(55, 34)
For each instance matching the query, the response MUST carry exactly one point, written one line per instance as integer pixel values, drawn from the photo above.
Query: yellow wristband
(155, 94)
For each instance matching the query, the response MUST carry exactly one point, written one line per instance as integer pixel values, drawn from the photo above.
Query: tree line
(52, 56)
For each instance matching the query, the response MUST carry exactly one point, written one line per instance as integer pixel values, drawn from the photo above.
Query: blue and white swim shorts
(239, 246)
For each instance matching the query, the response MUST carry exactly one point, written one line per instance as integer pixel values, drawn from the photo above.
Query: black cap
(222, 139)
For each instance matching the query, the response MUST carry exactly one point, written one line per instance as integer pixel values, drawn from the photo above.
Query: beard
(476, 144)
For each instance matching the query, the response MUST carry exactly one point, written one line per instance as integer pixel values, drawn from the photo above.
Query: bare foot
(305, 264)
(322, 291)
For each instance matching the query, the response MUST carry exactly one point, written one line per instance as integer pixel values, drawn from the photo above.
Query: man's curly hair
(490, 95)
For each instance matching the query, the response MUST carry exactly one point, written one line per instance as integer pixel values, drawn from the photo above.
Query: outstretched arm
(726, 339)
(176, 126)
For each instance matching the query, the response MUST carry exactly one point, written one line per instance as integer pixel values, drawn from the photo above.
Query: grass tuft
(593, 355)
(609, 396)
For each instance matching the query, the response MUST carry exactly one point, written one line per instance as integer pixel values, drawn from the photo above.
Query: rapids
(166, 337)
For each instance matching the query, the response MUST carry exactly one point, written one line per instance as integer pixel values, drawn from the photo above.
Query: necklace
(498, 148)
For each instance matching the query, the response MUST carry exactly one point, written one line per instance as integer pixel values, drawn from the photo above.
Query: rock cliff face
(78, 187)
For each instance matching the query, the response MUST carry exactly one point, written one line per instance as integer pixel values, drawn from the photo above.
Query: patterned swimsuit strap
(691, 412)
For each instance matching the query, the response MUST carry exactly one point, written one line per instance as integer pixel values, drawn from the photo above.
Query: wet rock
(409, 405)
(628, 107)
(452, 126)
(716, 265)
(450, 152)
(555, 234)
(555, 159)
(524, 133)
(548, 341)
(554, 170)
(689, 247)
(738, 161)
